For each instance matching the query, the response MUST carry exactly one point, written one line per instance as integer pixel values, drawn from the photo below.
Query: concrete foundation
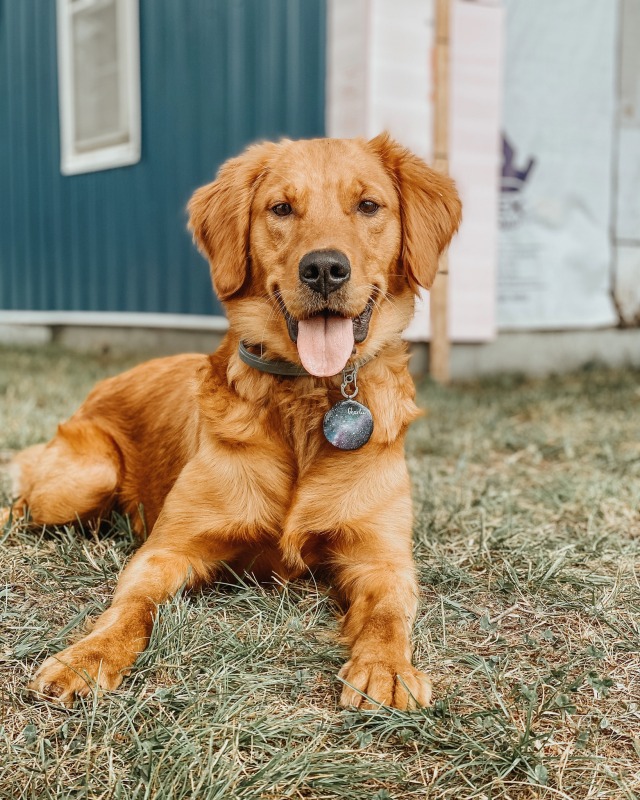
(543, 353)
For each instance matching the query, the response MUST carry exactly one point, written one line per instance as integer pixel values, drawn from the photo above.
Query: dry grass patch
(527, 541)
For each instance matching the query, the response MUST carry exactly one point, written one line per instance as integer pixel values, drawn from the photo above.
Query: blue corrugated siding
(216, 74)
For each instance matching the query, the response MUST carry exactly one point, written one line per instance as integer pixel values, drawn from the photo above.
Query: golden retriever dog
(252, 457)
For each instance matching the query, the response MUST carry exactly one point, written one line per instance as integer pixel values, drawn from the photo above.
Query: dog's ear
(430, 209)
(219, 215)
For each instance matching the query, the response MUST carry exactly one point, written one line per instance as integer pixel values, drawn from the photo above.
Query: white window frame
(72, 160)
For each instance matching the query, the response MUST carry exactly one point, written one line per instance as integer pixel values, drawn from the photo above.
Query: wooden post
(439, 347)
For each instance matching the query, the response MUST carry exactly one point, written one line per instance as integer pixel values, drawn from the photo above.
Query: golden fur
(229, 464)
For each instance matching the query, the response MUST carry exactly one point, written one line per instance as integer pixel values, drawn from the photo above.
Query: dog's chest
(298, 420)
(269, 451)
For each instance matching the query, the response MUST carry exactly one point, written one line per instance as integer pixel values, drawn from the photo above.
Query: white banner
(555, 253)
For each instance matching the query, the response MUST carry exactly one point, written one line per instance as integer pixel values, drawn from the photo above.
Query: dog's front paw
(75, 672)
(395, 685)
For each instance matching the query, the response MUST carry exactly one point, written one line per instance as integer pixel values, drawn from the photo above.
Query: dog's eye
(282, 209)
(368, 207)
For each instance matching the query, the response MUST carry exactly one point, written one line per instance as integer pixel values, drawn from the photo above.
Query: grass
(527, 540)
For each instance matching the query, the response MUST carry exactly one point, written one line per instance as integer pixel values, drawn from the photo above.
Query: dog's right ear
(219, 215)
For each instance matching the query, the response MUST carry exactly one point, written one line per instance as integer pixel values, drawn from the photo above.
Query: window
(99, 84)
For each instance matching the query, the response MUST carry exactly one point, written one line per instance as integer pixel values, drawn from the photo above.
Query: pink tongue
(325, 344)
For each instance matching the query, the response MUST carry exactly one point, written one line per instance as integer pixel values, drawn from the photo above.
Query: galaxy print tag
(348, 425)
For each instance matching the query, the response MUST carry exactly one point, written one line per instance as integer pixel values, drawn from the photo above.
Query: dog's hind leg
(74, 476)
(19, 467)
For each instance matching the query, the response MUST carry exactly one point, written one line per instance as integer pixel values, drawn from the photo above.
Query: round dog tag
(348, 425)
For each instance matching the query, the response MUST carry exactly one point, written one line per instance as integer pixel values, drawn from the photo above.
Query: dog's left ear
(219, 215)
(430, 209)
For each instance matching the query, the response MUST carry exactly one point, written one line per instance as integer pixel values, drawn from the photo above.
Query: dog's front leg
(169, 559)
(375, 574)
(365, 531)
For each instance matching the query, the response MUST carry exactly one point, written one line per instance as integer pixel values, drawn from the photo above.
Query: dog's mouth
(325, 341)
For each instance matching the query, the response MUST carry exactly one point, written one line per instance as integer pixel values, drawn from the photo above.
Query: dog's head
(317, 247)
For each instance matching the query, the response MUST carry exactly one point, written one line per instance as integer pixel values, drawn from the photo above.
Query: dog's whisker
(376, 294)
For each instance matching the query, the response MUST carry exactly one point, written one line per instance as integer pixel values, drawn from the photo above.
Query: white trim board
(115, 319)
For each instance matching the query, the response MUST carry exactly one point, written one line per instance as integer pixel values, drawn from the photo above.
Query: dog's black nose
(324, 271)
